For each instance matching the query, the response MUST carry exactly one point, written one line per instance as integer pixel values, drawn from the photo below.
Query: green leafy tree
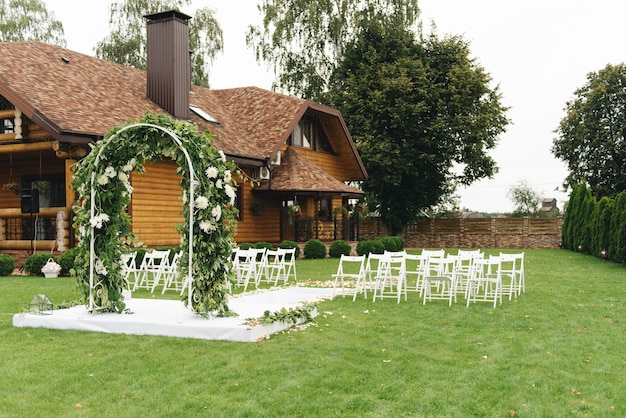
(24, 20)
(126, 44)
(304, 40)
(525, 199)
(592, 136)
(421, 112)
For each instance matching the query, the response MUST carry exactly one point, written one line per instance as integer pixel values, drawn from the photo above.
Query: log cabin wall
(263, 225)
(156, 205)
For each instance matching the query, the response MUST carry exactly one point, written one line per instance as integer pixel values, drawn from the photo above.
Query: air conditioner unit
(262, 173)
(276, 159)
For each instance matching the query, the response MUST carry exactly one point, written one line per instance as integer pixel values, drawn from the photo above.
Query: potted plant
(11, 186)
(51, 269)
(43, 186)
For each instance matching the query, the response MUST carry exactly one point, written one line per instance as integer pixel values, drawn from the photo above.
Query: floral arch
(102, 223)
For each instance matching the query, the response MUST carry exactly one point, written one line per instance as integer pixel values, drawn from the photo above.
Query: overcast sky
(538, 51)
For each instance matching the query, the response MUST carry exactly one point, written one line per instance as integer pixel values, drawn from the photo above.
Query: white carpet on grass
(172, 319)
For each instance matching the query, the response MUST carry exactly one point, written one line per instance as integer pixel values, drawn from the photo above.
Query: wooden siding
(334, 165)
(254, 227)
(156, 205)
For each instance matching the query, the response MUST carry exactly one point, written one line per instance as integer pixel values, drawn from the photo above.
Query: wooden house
(54, 103)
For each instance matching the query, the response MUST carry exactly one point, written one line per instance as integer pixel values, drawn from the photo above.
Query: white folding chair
(517, 270)
(390, 280)
(244, 265)
(485, 281)
(151, 269)
(421, 268)
(509, 274)
(439, 281)
(289, 255)
(414, 268)
(171, 279)
(463, 267)
(350, 268)
(275, 268)
(372, 262)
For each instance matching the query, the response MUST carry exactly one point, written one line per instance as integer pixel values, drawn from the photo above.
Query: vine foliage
(104, 176)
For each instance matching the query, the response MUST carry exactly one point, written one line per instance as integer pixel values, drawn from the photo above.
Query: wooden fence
(474, 232)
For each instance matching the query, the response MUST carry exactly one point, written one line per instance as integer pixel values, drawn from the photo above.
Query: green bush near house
(286, 244)
(264, 244)
(391, 243)
(35, 262)
(246, 245)
(314, 248)
(7, 265)
(66, 261)
(366, 247)
(338, 248)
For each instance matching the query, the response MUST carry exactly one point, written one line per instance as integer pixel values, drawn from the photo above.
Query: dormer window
(309, 133)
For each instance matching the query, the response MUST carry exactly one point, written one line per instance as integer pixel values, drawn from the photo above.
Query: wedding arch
(102, 222)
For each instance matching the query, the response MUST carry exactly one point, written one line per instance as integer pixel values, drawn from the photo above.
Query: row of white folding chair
(152, 269)
(263, 265)
(245, 265)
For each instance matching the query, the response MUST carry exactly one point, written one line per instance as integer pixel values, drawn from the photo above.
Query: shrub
(391, 243)
(339, 247)
(246, 245)
(264, 244)
(35, 262)
(66, 261)
(314, 248)
(286, 244)
(7, 265)
(366, 247)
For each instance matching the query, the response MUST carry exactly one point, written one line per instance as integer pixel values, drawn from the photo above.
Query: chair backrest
(373, 262)
(155, 259)
(433, 253)
(353, 265)
(487, 268)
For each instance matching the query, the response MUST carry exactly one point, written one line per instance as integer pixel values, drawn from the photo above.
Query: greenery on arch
(214, 212)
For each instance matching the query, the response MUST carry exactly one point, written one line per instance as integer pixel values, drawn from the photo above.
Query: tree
(525, 199)
(126, 44)
(421, 112)
(23, 20)
(304, 40)
(592, 136)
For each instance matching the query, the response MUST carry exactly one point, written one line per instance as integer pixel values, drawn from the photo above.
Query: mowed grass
(558, 350)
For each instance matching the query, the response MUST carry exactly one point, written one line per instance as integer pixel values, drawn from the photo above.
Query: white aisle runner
(170, 317)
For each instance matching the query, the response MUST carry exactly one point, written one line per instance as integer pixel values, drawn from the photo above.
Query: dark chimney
(169, 65)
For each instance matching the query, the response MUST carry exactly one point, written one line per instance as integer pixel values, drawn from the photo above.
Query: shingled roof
(79, 98)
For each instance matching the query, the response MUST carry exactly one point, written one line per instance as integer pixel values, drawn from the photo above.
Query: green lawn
(558, 350)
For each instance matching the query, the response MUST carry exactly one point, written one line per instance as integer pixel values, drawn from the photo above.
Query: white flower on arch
(212, 172)
(202, 202)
